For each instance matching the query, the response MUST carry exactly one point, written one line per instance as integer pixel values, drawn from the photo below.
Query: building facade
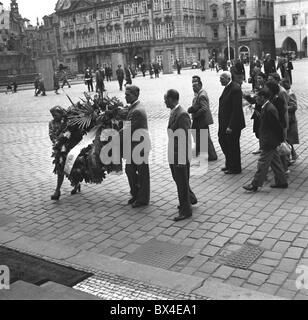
(291, 24)
(141, 31)
(255, 28)
(14, 57)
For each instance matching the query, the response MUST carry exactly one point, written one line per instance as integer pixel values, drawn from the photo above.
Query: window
(243, 31)
(215, 33)
(135, 7)
(126, 9)
(116, 12)
(214, 13)
(167, 4)
(169, 31)
(144, 6)
(283, 21)
(156, 5)
(242, 12)
(158, 31)
(295, 19)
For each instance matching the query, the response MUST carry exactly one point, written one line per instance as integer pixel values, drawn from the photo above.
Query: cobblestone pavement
(99, 220)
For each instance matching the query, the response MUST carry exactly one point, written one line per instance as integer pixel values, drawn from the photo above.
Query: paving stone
(287, 265)
(209, 267)
(286, 293)
(281, 246)
(269, 288)
(210, 251)
(240, 273)
(261, 268)
(294, 253)
(257, 278)
(223, 272)
(219, 241)
(288, 236)
(278, 277)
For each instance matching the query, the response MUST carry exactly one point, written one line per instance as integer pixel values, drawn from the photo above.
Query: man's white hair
(226, 74)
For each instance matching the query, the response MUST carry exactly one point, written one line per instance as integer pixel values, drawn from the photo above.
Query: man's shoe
(232, 172)
(250, 187)
(182, 217)
(280, 186)
(131, 201)
(193, 201)
(224, 169)
(138, 204)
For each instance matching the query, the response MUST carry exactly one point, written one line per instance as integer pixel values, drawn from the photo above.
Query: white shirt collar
(134, 103)
(265, 104)
(228, 84)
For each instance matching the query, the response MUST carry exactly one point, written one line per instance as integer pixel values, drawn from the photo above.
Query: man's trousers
(269, 158)
(230, 146)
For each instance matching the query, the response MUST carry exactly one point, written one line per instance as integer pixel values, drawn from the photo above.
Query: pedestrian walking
(231, 123)
(64, 79)
(99, 77)
(120, 76)
(36, 84)
(292, 133)
(269, 65)
(151, 70)
(143, 69)
(56, 82)
(178, 66)
(178, 155)
(156, 70)
(41, 87)
(128, 76)
(271, 136)
(202, 117)
(89, 79)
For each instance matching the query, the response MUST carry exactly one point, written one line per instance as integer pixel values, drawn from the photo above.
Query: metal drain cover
(159, 254)
(241, 258)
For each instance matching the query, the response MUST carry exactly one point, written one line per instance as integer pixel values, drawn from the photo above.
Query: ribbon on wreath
(72, 156)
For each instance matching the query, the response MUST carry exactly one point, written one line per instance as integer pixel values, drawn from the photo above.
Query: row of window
(109, 13)
(295, 19)
(135, 8)
(242, 12)
(215, 32)
(192, 30)
(191, 4)
(161, 4)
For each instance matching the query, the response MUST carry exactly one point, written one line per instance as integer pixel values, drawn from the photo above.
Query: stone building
(14, 57)
(255, 28)
(131, 32)
(291, 23)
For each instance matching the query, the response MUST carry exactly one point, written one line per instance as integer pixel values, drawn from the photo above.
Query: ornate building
(95, 31)
(291, 26)
(14, 57)
(255, 27)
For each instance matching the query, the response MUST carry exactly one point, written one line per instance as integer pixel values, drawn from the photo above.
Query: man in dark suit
(138, 174)
(202, 117)
(178, 153)
(120, 76)
(231, 123)
(269, 65)
(271, 135)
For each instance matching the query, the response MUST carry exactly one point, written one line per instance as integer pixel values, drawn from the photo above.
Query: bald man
(138, 174)
(231, 123)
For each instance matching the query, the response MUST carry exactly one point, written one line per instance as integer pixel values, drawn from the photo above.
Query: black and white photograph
(153, 150)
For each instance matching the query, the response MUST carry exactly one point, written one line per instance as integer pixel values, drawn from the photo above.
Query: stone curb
(139, 272)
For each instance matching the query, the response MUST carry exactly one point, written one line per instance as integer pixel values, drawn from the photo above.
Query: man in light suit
(231, 123)
(178, 153)
(202, 116)
(138, 174)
